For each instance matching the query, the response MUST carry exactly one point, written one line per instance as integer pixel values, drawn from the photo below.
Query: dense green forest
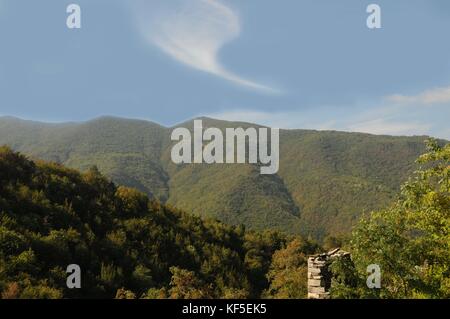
(327, 180)
(409, 240)
(127, 245)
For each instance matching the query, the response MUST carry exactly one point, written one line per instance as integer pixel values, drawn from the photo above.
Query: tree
(410, 241)
(12, 291)
(126, 245)
(186, 285)
(288, 272)
(122, 293)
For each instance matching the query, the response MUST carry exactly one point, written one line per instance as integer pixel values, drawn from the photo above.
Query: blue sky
(287, 63)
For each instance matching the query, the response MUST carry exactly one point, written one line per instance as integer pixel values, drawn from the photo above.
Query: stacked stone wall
(319, 274)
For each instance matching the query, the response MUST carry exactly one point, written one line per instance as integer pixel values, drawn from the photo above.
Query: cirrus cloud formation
(193, 32)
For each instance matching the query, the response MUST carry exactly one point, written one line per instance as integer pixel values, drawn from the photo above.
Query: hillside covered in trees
(127, 245)
(327, 180)
(409, 240)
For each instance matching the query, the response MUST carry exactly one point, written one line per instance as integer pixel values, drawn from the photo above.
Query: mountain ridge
(327, 179)
(190, 121)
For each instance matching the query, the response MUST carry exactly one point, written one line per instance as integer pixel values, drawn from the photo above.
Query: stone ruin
(319, 274)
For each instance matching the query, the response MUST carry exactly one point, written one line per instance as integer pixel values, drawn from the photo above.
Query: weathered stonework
(319, 275)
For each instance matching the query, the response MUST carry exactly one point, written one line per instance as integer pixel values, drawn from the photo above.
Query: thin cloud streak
(429, 97)
(277, 119)
(393, 115)
(378, 123)
(388, 127)
(193, 32)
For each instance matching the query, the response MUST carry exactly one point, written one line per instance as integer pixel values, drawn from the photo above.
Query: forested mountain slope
(125, 245)
(326, 179)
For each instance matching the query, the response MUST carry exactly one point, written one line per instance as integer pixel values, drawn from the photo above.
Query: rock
(334, 251)
(316, 282)
(319, 276)
(314, 270)
(314, 276)
(316, 290)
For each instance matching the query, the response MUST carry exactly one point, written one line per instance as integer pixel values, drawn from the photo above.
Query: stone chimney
(319, 275)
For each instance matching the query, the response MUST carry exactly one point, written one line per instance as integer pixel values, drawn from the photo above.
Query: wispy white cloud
(276, 119)
(428, 97)
(193, 32)
(391, 115)
(377, 121)
(382, 126)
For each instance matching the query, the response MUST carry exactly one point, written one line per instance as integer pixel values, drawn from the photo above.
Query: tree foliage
(410, 241)
(288, 271)
(326, 179)
(126, 245)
